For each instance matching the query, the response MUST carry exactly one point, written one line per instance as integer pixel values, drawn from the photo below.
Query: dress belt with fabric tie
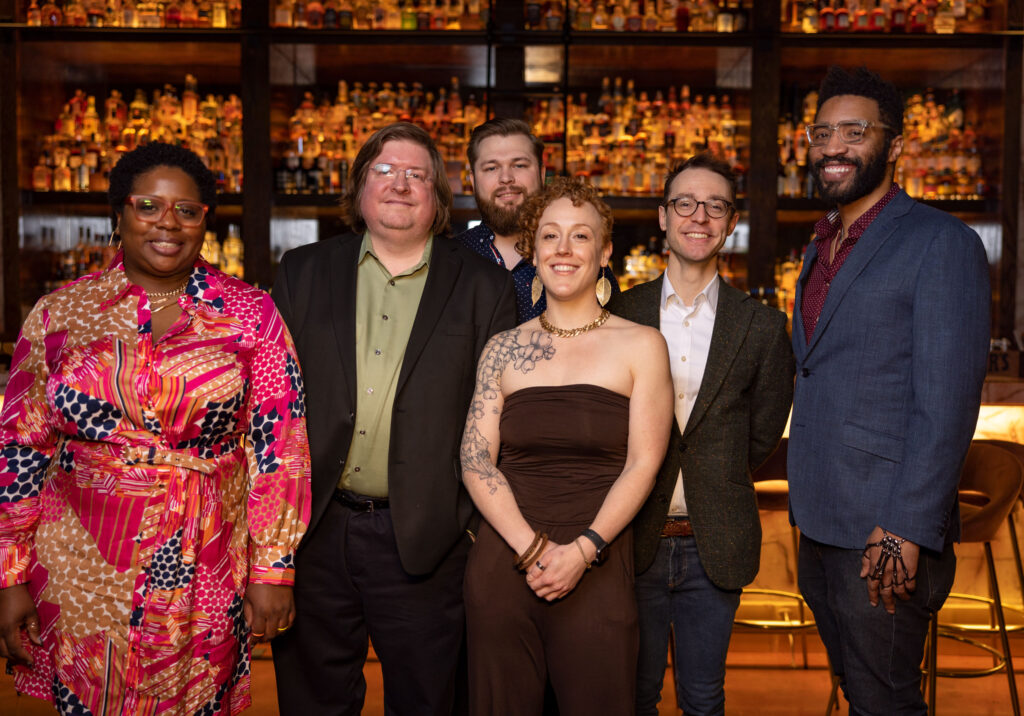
(677, 527)
(131, 455)
(359, 503)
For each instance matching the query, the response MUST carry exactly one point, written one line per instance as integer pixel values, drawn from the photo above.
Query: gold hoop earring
(536, 289)
(603, 289)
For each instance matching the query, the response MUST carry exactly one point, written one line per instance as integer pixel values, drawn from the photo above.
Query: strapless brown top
(562, 447)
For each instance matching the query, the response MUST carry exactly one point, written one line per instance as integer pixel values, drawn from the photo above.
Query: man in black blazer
(698, 537)
(389, 324)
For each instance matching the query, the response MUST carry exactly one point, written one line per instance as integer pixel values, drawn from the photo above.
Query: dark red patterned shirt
(824, 272)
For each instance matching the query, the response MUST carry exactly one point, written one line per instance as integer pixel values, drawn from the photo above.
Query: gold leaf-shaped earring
(536, 289)
(604, 290)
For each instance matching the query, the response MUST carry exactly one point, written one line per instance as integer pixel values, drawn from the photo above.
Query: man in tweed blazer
(698, 536)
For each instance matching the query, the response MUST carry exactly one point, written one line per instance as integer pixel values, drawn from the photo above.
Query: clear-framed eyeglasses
(383, 170)
(851, 131)
(152, 209)
(714, 208)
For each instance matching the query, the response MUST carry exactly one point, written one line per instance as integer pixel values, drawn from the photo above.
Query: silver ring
(540, 566)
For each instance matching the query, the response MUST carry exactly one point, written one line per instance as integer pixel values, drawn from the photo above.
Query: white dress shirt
(687, 331)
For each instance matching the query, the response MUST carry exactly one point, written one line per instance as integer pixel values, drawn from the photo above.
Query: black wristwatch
(598, 541)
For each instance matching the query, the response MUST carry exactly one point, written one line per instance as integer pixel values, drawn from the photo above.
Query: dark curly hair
(137, 162)
(862, 82)
(399, 131)
(579, 192)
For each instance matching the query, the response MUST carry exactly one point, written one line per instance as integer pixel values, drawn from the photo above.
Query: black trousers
(350, 585)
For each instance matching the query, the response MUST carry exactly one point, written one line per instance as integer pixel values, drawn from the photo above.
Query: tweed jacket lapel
(732, 321)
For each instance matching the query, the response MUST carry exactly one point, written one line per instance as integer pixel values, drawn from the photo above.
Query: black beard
(866, 179)
(502, 221)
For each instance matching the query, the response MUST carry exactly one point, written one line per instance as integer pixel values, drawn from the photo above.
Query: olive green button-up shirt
(386, 307)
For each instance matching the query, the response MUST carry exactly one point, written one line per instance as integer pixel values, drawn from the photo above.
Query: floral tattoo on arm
(502, 351)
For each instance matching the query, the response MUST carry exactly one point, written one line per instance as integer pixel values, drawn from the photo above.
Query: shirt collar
(828, 226)
(709, 294)
(366, 247)
(204, 285)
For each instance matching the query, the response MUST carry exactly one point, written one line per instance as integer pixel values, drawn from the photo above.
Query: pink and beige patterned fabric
(142, 485)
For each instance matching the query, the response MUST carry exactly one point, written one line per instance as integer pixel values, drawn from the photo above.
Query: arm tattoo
(501, 351)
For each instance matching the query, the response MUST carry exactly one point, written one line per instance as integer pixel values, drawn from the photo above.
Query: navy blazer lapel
(445, 266)
(860, 256)
(732, 319)
(799, 334)
(344, 263)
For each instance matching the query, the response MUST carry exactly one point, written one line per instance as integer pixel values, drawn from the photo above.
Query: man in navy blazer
(891, 335)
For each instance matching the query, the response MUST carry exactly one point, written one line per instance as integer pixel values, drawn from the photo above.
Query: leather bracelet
(582, 553)
(531, 554)
(523, 558)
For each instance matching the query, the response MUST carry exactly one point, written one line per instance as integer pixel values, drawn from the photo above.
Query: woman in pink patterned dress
(154, 469)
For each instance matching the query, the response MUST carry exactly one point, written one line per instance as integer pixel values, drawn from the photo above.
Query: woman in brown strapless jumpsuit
(548, 453)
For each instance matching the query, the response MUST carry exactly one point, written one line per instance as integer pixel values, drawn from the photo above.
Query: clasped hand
(556, 572)
(17, 616)
(889, 564)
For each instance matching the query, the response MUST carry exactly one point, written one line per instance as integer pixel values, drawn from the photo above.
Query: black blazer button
(805, 372)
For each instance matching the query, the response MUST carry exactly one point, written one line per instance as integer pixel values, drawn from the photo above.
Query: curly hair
(399, 131)
(143, 159)
(579, 192)
(862, 82)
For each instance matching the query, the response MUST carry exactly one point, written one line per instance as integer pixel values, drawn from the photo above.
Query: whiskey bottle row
(721, 16)
(381, 14)
(896, 16)
(85, 144)
(626, 140)
(941, 156)
(323, 136)
(135, 13)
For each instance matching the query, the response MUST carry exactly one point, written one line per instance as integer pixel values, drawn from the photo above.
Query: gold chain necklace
(165, 294)
(573, 332)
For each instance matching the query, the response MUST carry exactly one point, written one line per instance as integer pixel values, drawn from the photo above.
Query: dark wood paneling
(10, 316)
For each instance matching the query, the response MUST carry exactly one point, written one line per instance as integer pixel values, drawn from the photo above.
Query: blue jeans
(876, 655)
(675, 593)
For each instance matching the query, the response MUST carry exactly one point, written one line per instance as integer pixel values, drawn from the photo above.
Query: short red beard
(503, 221)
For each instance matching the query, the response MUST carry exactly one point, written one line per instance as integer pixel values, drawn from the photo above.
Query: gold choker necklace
(165, 294)
(573, 332)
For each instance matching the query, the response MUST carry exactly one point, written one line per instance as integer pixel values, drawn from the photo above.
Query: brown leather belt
(677, 527)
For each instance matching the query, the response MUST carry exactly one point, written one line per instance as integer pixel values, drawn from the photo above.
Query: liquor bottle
(33, 16)
(877, 21)
(299, 14)
(533, 14)
(220, 14)
(917, 17)
(651, 21)
(553, 17)
(190, 14)
(842, 17)
(600, 19)
(129, 16)
(860, 20)
(75, 15)
(634, 20)
(618, 19)
(944, 19)
(810, 21)
(346, 14)
(315, 15)
(584, 17)
(52, 15)
(172, 14)
(683, 16)
(94, 13)
(233, 253)
(204, 13)
(149, 14)
(726, 20)
(283, 13)
(42, 175)
(112, 14)
(898, 16)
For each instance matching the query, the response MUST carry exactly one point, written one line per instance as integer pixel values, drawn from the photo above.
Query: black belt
(359, 503)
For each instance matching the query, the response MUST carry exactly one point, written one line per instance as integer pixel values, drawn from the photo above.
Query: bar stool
(1018, 450)
(990, 484)
(772, 488)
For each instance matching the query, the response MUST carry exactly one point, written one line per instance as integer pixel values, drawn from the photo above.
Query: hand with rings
(19, 625)
(556, 572)
(269, 610)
